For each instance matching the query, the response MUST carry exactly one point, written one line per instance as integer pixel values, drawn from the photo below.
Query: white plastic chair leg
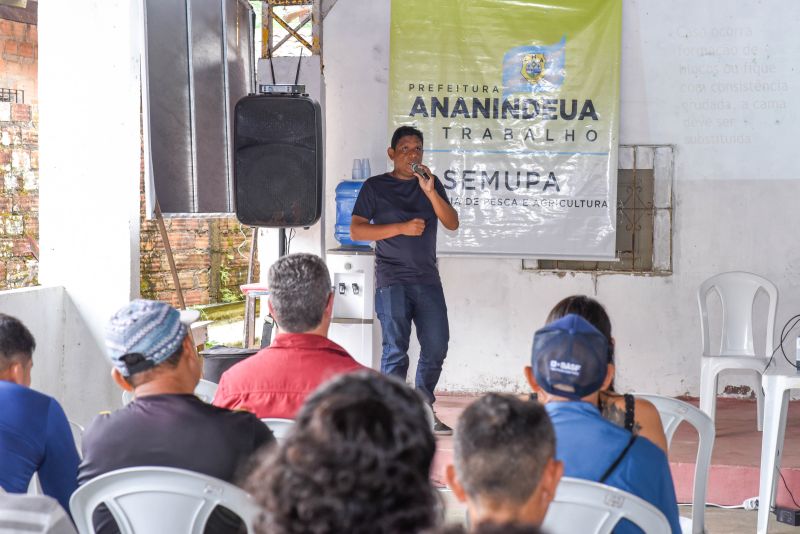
(772, 441)
(759, 403)
(705, 448)
(708, 388)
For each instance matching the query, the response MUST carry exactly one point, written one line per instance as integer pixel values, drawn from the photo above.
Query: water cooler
(353, 325)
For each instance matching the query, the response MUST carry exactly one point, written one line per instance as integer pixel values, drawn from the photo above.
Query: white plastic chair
(159, 500)
(591, 507)
(280, 427)
(77, 435)
(673, 412)
(737, 290)
(204, 391)
(32, 514)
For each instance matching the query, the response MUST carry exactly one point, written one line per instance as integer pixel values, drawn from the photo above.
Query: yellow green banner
(518, 101)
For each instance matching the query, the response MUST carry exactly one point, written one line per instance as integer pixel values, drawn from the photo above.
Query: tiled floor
(718, 521)
(735, 462)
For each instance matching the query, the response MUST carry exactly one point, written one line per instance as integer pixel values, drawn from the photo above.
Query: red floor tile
(735, 462)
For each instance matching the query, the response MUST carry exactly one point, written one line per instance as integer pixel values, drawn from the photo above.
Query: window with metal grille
(288, 27)
(644, 217)
(16, 96)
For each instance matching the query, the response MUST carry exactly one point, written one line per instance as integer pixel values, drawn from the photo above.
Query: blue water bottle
(346, 195)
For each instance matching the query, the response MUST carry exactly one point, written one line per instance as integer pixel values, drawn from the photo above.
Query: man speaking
(404, 207)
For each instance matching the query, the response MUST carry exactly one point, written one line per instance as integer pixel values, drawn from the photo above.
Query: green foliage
(230, 296)
(147, 288)
(226, 293)
(224, 275)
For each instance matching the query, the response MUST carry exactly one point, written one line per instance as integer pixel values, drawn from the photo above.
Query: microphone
(419, 170)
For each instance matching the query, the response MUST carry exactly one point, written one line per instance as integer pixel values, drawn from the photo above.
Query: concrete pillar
(90, 144)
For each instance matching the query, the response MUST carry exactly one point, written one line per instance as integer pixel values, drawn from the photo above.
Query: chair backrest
(673, 412)
(280, 427)
(585, 506)
(77, 435)
(33, 514)
(204, 391)
(737, 290)
(159, 500)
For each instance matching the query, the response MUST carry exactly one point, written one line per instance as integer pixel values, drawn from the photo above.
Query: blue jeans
(397, 306)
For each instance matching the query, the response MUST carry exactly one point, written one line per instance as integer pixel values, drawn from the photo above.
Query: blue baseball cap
(144, 333)
(570, 357)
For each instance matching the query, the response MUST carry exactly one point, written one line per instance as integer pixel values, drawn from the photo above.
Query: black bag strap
(618, 460)
(630, 406)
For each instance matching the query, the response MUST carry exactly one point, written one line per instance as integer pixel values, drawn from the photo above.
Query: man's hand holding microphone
(425, 178)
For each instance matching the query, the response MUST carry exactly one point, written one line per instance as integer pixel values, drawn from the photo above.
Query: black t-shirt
(402, 259)
(178, 431)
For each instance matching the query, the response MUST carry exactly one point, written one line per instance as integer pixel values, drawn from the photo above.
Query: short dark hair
(15, 341)
(403, 131)
(502, 445)
(357, 460)
(146, 375)
(300, 287)
(589, 309)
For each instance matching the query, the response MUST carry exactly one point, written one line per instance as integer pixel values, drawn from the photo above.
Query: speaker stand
(281, 242)
(250, 308)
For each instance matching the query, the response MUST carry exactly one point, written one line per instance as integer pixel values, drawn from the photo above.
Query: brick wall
(19, 157)
(211, 256)
(19, 195)
(18, 58)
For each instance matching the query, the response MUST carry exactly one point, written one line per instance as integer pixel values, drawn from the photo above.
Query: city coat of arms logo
(533, 67)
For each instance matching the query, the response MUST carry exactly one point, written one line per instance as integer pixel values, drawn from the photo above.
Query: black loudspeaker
(277, 169)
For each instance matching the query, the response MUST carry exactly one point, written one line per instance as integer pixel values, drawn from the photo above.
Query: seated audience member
(635, 415)
(570, 367)
(505, 467)
(34, 432)
(275, 381)
(151, 350)
(356, 461)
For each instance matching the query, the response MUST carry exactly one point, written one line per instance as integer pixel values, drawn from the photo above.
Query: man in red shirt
(275, 381)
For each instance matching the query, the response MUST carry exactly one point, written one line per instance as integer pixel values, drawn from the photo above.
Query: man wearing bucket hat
(569, 367)
(152, 354)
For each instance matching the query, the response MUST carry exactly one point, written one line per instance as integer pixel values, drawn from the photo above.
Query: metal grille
(644, 217)
(293, 25)
(16, 96)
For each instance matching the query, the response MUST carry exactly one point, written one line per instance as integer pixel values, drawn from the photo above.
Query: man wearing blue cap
(153, 356)
(569, 367)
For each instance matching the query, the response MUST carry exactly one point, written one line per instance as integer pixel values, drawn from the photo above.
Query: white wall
(41, 310)
(65, 365)
(90, 143)
(735, 183)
